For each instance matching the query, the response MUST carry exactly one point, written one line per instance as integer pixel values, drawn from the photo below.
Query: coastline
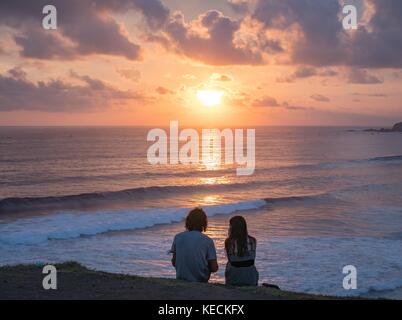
(77, 282)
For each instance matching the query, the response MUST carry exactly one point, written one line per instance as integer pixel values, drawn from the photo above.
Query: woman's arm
(213, 265)
(227, 249)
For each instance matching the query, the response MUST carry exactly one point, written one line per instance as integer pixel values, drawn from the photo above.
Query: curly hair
(197, 220)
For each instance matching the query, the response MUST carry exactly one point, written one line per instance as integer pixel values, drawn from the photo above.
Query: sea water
(320, 199)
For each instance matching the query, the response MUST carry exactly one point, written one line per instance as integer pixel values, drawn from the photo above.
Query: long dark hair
(238, 234)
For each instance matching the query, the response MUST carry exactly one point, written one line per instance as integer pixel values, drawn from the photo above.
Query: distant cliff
(396, 128)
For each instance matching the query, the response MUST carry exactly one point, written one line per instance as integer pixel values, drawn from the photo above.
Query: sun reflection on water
(214, 180)
(210, 200)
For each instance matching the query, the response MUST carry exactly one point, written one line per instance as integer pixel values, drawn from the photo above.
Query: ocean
(320, 199)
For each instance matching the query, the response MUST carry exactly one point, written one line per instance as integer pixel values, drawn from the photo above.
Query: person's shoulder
(181, 235)
(253, 240)
(206, 238)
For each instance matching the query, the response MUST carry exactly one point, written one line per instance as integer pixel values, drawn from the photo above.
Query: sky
(203, 63)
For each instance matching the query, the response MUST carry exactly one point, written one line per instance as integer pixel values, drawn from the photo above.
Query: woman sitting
(241, 251)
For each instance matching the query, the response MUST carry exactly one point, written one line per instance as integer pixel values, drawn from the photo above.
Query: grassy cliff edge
(75, 281)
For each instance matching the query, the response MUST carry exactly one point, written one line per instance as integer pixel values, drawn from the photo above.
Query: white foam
(29, 231)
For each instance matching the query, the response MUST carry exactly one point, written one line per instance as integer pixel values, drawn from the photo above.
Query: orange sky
(258, 72)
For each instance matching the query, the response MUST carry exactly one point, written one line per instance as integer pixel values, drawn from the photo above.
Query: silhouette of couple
(194, 253)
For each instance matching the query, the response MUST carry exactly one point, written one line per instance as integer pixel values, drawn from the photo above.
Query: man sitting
(194, 254)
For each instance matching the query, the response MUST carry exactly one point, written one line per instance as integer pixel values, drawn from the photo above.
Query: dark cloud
(17, 73)
(84, 27)
(270, 102)
(40, 44)
(304, 72)
(362, 76)
(18, 93)
(239, 6)
(380, 46)
(265, 102)
(212, 41)
(323, 41)
(328, 73)
(318, 22)
(320, 98)
(311, 31)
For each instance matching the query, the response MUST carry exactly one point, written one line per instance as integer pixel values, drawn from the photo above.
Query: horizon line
(183, 125)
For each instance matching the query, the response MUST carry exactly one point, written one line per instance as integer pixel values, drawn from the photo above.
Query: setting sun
(210, 98)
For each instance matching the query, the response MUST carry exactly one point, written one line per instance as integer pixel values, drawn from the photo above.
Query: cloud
(211, 39)
(320, 98)
(221, 77)
(239, 6)
(397, 75)
(265, 102)
(375, 95)
(303, 72)
(296, 32)
(130, 74)
(36, 43)
(318, 43)
(362, 76)
(270, 102)
(379, 45)
(154, 11)
(292, 107)
(328, 73)
(17, 73)
(321, 40)
(164, 91)
(18, 93)
(84, 27)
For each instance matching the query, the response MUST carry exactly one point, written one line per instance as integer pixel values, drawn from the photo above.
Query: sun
(210, 98)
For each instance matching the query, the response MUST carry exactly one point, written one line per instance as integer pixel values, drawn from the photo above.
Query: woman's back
(241, 254)
(247, 254)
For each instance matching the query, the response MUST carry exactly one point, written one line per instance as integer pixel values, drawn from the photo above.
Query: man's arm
(213, 265)
(174, 259)
(211, 257)
(173, 251)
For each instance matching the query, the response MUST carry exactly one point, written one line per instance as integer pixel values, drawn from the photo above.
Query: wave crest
(29, 231)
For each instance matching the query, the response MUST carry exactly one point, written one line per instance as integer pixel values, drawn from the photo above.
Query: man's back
(193, 250)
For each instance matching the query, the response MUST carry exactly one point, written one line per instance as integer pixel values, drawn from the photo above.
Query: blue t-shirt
(193, 250)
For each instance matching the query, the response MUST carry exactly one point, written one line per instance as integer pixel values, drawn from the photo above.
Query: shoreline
(76, 282)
